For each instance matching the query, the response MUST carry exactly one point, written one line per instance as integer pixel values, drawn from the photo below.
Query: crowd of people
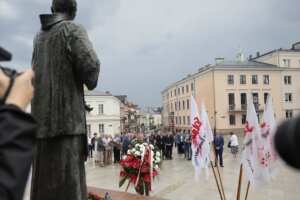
(105, 149)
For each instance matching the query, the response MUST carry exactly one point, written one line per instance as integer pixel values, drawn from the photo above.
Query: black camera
(6, 56)
(287, 141)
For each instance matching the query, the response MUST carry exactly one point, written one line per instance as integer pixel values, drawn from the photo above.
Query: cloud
(146, 45)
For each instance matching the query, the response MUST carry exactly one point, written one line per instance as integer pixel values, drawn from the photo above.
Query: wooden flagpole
(211, 164)
(240, 183)
(247, 190)
(216, 159)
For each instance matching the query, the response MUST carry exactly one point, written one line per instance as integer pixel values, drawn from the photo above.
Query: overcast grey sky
(145, 45)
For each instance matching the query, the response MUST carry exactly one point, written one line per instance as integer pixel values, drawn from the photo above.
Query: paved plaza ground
(176, 181)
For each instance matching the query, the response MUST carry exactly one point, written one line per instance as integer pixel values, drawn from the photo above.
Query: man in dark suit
(219, 143)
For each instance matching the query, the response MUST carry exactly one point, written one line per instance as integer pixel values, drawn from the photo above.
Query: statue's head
(68, 7)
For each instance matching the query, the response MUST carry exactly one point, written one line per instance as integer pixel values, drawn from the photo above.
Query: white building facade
(105, 116)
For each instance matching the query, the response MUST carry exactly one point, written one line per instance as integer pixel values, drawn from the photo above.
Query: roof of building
(295, 48)
(228, 65)
(96, 93)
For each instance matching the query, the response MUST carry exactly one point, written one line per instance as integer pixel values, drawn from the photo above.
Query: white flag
(268, 129)
(206, 124)
(200, 145)
(253, 155)
(206, 132)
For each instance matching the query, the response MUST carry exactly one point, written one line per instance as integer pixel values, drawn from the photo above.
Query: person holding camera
(17, 133)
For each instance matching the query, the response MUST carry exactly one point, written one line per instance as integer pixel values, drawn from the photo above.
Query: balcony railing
(231, 107)
(244, 107)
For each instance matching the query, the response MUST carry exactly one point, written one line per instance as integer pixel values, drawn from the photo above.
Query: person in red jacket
(17, 133)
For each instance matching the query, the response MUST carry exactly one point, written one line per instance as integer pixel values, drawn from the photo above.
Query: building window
(231, 102)
(192, 87)
(243, 101)
(255, 100)
(171, 93)
(179, 120)
(243, 119)
(100, 109)
(232, 119)
(171, 107)
(265, 97)
(178, 105)
(176, 120)
(175, 92)
(178, 91)
(288, 114)
(183, 105)
(183, 119)
(287, 80)
(254, 79)
(288, 97)
(101, 128)
(187, 104)
(286, 63)
(266, 79)
(188, 120)
(242, 79)
(182, 90)
(175, 105)
(187, 88)
(230, 79)
(88, 127)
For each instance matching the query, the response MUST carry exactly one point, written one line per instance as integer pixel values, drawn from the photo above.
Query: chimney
(250, 57)
(257, 54)
(219, 60)
(107, 92)
(240, 55)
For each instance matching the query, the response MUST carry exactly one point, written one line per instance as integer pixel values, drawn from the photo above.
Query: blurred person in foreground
(287, 141)
(17, 133)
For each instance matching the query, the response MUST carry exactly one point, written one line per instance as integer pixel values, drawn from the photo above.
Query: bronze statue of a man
(63, 61)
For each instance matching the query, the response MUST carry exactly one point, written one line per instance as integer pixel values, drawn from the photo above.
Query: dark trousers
(90, 150)
(116, 154)
(219, 155)
(168, 151)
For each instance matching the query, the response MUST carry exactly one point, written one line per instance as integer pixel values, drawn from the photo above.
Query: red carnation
(121, 162)
(129, 157)
(147, 178)
(127, 164)
(144, 168)
(136, 163)
(155, 173)
(133, 179)
(122, 173)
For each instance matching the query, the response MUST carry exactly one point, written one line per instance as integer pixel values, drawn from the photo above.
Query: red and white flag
(268, 129)
(253, 153)
(206, 124)
(200, 145)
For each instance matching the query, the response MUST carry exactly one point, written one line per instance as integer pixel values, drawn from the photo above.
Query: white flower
(137, 153)
(129, 151)
(137, 145)
(151, 146)
(133, 150)
(155, 166)
(141, 145)
(157, 160)
(124, 157)
(145, 144)
(157, 154)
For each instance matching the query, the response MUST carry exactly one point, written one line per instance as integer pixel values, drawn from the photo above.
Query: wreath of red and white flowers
(140, 166)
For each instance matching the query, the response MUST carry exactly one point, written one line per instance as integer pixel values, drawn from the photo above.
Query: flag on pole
(200, 144)
(206, 124)
(253, 154)
(268, 129)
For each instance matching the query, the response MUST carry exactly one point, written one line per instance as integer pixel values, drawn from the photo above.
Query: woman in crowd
(234, 144)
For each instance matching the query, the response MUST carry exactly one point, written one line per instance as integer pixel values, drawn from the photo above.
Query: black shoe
(222, 165)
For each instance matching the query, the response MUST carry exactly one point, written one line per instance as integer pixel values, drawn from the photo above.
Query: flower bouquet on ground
(92, 196)
(139, 167)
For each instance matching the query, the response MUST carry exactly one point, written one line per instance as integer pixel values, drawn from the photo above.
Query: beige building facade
(224, 87)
